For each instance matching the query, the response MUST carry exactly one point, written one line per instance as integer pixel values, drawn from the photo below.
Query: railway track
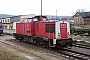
(82, 44)
(87, 46)
(66, 53)
(75, 55)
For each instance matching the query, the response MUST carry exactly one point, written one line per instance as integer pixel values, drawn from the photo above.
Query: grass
(6, 55)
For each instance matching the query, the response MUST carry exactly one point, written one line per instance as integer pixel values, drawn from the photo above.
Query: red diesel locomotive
(41, 31)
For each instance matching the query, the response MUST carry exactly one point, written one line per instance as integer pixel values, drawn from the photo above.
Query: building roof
(84, 14)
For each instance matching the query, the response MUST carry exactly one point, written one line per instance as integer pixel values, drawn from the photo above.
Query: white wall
(14, 25)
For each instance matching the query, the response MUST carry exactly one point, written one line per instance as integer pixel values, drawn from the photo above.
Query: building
(18, 18)
(10, 22)
(82, 18)
(5, 22)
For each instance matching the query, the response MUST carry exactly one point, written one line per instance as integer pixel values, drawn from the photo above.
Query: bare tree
(78, 10)
(73, 13)
(81, 10)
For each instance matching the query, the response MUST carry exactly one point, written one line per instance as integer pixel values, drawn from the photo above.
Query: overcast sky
(63, 7)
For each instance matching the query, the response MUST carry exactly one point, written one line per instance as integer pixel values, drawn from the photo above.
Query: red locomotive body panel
(26, 27)
(29, 28)
(36, 29)
(49, 29)
(20, 28)
(44, 29)
(40, 30)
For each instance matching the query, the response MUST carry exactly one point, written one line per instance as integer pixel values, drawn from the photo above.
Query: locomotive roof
(41, 16)
(26, 18)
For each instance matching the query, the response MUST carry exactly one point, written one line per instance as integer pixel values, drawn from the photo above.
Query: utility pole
(41, 7)
(56, 14)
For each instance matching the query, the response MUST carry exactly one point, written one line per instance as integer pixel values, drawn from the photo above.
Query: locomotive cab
(63, 34)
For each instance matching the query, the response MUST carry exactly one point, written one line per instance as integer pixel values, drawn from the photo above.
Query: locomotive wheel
(30, 40)
(26, 39)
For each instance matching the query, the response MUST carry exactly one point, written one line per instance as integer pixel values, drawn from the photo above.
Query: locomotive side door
(63, 30)
(27, 28)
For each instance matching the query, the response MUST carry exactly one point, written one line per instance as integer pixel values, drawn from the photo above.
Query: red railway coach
(1, 28)
(41, 31)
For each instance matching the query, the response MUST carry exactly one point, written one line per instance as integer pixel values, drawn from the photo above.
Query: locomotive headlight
(58, 35)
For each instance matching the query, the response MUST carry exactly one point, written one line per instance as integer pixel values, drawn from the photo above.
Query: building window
(8, 20)
(3, 21)
(78, 19)
(10, 27)
(5, 27)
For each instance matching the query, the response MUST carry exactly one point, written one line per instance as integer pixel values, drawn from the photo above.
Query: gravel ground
(83, 38)
(29, 54)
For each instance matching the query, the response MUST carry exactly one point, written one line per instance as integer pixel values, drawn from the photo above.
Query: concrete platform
(6, 31)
